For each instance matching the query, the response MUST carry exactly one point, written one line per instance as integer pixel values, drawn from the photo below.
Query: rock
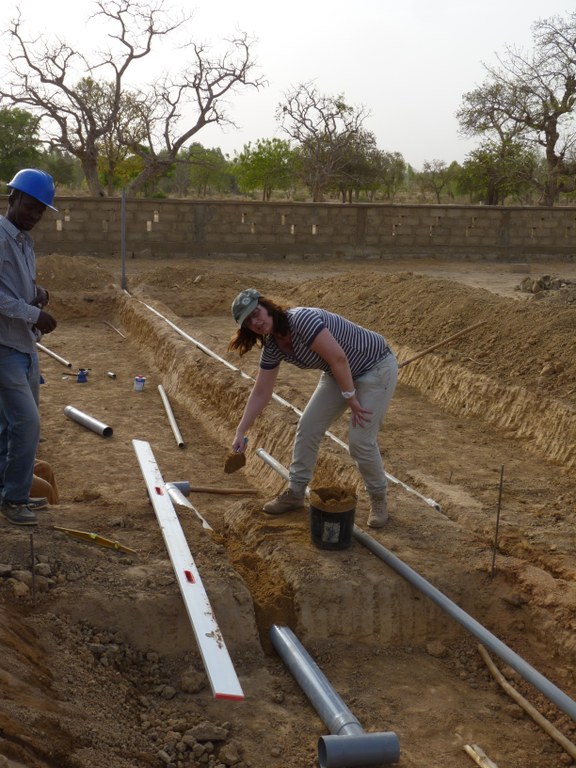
(43, 569)
(548, 369)
(229, 754)
(436, 649)
(19, 588)
(192, 681)
(24, 576)
(206, 731)
(164, 756)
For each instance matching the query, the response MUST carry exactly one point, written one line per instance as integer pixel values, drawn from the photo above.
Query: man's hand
(45, 323)
(41, 298)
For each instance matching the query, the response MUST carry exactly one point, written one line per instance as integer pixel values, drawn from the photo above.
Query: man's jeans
(375, 389)
(19, 422)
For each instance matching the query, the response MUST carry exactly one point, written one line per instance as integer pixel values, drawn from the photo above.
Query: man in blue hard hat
(23, 320)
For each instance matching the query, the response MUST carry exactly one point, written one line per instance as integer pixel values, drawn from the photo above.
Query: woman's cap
(244, 304)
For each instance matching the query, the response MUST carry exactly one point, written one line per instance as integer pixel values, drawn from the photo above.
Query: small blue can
(82, 376)
(139, 382)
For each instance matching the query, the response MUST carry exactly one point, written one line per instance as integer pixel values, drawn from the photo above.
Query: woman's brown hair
(244, 339)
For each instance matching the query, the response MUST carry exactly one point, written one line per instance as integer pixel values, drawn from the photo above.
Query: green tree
(208, 171)
(390, 168)
(270, 164)
(496, 171)
(531, 96)
(438, 178)
(64, 168)
(19, 142)
(359, 170)
(125, 128)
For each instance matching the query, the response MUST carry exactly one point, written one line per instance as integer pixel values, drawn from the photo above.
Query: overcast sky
(408, 62)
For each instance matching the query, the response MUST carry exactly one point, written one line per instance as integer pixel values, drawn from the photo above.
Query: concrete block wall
(195, 228)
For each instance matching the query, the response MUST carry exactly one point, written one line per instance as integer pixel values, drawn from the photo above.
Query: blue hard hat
(37, 184)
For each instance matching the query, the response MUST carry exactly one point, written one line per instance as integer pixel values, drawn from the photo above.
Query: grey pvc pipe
(88, 421)
(348, 746)
(554, 694)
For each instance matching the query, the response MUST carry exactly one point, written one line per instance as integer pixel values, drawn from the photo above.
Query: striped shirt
(17, 289)
(362, 347)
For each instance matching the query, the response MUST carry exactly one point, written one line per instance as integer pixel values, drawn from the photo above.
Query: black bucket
(332, 513)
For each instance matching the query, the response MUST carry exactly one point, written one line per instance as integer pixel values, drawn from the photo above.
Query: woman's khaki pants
(374, 391)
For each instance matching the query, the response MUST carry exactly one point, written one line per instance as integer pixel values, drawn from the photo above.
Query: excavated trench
(364, 605)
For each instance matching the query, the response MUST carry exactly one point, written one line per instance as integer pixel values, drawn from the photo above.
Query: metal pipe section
(554, 694)
(349, 746)
(183, 486)
(179, 498)
(280, 400)
(54, 355)
(123, 239)
(171, 418)
(88, 421)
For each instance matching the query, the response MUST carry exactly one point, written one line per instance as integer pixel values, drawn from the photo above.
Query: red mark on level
(190, 577)
(229, 696)
(159, 491)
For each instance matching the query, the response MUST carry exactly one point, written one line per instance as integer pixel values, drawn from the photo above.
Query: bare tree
(531, 97)
(325, 128)
(49, 78)
(200, 90)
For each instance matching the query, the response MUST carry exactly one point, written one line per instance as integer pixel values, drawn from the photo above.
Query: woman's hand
(360, 416)
(240, 442)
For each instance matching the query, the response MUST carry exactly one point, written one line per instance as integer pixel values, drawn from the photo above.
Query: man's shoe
(286, 502)
(378, 516)
(18, 514)
(38, 502)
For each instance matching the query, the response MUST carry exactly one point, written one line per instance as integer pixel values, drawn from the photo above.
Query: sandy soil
(99, 665)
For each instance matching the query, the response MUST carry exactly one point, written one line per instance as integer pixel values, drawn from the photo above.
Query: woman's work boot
(286, 502)
(378, 510)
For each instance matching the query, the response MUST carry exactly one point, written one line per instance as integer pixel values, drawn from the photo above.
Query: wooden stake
(545, 724)
(441, 343)
(479, 756)
(33, 558)
(225, 491)
(114, 329)
(497, 520)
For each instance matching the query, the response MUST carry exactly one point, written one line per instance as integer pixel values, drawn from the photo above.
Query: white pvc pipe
(88, 421)
(280, 400)
(171, 418)
(54, 355)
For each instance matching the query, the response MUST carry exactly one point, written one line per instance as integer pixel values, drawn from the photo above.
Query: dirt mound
(194, 292)
(524, 343)
(69, 273)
